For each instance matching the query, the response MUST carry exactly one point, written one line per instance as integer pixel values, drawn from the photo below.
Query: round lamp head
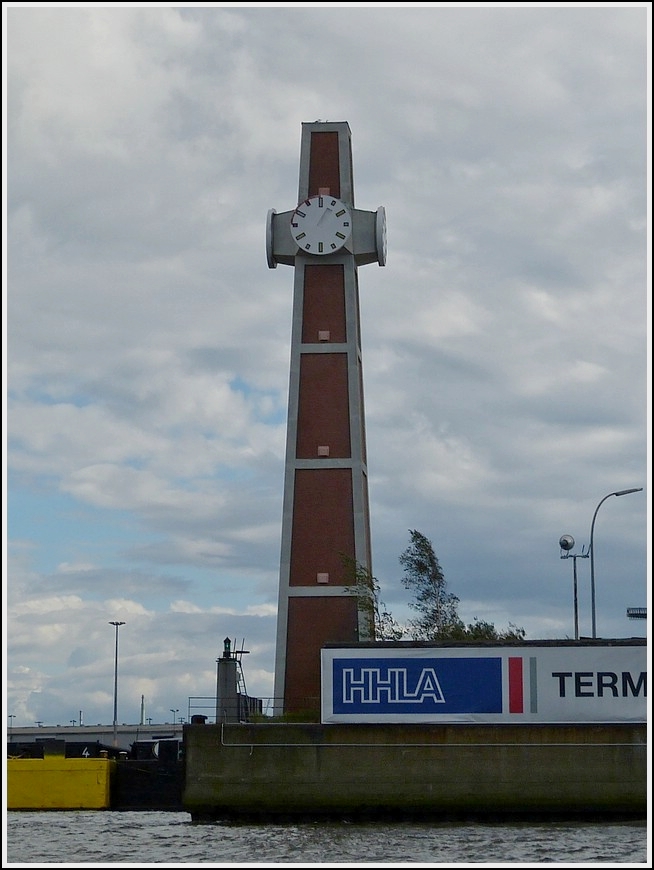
(566, 542)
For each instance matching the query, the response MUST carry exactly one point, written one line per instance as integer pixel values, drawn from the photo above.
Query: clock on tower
(325, 521)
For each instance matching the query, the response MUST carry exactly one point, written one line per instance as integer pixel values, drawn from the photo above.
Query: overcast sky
(506, 351)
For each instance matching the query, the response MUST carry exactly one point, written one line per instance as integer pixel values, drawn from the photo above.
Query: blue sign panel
(417, 685)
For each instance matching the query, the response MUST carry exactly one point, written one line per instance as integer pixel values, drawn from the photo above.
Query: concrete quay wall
(310, 769)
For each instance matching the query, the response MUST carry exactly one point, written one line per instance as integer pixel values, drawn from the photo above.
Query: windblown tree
(366, 588)
(423, 576)
(439, 617)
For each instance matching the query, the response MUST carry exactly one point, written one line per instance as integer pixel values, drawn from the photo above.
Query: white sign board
(564, 684)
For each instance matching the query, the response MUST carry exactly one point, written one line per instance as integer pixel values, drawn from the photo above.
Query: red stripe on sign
(515, 685)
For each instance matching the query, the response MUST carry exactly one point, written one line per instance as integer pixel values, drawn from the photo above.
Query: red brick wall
(323, 412)
(324, 170)
(323, 525)
(313, 622)
(324, 303)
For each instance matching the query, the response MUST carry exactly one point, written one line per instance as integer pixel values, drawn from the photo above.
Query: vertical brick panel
(323, 524)
(324, 303)
(324, 169)
(323, 412)
(313, 622)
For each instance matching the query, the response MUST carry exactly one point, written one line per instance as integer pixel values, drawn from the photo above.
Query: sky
(506, 343)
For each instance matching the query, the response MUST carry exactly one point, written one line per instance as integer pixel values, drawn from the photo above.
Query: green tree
(423, 576)
(439, 616)
(480, 630)
(366, 588)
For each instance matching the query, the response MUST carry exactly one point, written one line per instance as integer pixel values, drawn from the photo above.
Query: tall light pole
(116, 624)
(174, 712)
(592, 550)
(566, 543)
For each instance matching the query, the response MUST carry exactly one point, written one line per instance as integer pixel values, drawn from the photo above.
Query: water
(142, 839)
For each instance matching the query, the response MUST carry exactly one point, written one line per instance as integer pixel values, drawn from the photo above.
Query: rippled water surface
(141, 838)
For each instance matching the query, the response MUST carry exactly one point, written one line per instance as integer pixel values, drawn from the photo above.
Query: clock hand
(322, 217)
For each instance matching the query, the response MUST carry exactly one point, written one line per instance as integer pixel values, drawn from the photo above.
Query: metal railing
(253, 709)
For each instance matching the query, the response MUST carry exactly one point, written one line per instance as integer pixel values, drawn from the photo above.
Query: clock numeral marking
(300, 236)
(301, 213)
(320, 247)
(307, 247)
(333, 246)
(320, 202)
(346, 223)
(341, 212)
(340, 235)
(294, 224)
(333, 202)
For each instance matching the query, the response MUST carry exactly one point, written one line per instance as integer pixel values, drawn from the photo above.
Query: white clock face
(321, 225)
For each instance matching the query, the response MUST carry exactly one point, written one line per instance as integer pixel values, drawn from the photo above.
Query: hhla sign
(540, 684)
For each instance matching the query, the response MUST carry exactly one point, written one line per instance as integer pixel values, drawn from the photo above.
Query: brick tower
(325, 520)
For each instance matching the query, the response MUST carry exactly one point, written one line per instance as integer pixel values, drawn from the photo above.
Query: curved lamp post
(592, 550)
(116, 624)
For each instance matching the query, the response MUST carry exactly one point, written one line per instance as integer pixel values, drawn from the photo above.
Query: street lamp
(174, 712)
(116, 624)
(566, 543)
(11, 718)
(591, 550)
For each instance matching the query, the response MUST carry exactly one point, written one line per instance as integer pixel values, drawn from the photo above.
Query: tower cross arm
(280, 244)
(367, 243)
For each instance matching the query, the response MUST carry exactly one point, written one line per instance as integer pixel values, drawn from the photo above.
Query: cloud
(505, 344)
